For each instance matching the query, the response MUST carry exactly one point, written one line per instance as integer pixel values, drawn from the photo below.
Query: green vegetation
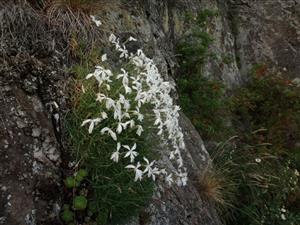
(67, 215)
(264, 159)
(112, 195)
(271, 102)
(199, 97)
(227, 59)
(85, 6)
(255, 179)
(74, 181)
(260, 183)
(76, 187)
(79, 203)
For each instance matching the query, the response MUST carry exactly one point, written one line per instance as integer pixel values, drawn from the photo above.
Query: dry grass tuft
(24, 29)
(217, 187)
(81, 6)
(210, 187)
(72, 17)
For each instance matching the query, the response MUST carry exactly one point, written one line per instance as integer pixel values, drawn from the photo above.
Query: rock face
(267, 32)
(31, 79)
(33, 87)
(29, 157)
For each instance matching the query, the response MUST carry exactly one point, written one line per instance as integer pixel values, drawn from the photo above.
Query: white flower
(124, 125)
(148, 165)
(283, 216)
(172, 155)
(110, 132)
(101, 75)
(137, 83)
(169, 179)
(158, 121)
(104, 57)
(124, 52)
(90, 75)
(110, 103)
(139, 130)
(115, 156)
(138, 62)
(119, 128)
(100, 97)
(97, 22)
(147, 87)
(297, 173)
(125, 81)
(160, 131)
(124, 101)
(112, 38)
(124, 76)
(179, 161)
(139, 115)
(258, 160)
(128, 90)
(151, 172)
(129, 123)
(83, 89)
(125, 115)
(131, 39)
(131, 153)
(118, 146)
(181, 179)
(138, 172)
(104, 115)
(92, 122)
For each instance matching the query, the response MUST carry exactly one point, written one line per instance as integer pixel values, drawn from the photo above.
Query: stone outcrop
(34, 92)
(31, 80)
(267, 32)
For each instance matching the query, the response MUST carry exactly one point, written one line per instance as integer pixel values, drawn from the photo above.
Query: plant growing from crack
(122, 113)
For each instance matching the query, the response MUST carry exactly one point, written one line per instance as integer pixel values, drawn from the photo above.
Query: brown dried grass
(210, 187)
(73, 18)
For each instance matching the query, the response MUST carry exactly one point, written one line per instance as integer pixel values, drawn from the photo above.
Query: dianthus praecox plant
(123, 95)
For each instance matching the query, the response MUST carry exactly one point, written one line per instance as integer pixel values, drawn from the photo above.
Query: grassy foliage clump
(255, 179)
(73, 19)
(76, 7)
(271, 102)
(193, 50)
(121, 111)
(200, 97)
(114, 196)
(213, 186)
(263, 162)
(261, 183)
(201, 100)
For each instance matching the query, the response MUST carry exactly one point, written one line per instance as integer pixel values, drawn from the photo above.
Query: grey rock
(32, 77)
(29, 186)
(36, 132)
(267, 32)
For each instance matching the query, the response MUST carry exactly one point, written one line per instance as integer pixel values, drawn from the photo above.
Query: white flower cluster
(97, 22)
(142, 85)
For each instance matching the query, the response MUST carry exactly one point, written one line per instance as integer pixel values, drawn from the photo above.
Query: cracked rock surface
(34, 93)
(29, 160)
(31, 79)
